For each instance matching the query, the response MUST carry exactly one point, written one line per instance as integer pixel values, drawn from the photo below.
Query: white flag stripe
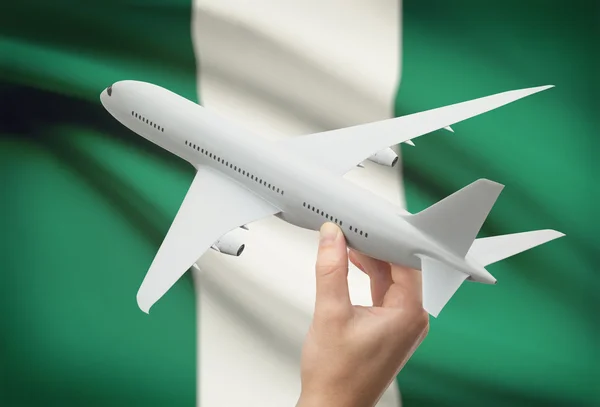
(284, 69)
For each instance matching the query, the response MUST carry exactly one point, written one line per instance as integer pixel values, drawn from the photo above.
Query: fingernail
(329, 233)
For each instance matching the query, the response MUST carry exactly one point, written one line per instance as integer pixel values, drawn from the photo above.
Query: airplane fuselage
(306, 193)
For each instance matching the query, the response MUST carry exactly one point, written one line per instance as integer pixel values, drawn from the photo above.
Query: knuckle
(331, 316)
(417, 317)
(422, 321)
(327, 266)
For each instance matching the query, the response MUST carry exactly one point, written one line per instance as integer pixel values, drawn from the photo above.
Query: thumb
(332, 271)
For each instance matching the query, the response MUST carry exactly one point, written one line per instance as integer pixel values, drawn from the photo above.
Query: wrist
(329, 399)
(318, 400)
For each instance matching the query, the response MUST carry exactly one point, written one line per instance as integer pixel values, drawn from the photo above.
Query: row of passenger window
(147, 121)
(333, 219)
(234, 167)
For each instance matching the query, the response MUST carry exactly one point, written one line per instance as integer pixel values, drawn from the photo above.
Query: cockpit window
(109, 90)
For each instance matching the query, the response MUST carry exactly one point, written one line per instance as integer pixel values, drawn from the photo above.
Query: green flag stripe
(87, 206)
(528, 340)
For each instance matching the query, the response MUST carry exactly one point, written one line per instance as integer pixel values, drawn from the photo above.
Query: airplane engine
(231, 244)
(385, 157)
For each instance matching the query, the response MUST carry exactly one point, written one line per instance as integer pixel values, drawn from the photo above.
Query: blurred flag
(534, 338)
(85, 205)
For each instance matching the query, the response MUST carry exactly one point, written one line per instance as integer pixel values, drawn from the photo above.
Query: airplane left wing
(213, 206)
(341, 150)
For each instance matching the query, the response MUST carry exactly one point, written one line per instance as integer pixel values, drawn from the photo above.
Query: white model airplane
(242, 178)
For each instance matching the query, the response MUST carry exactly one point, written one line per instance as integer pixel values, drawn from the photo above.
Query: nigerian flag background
(85, 203)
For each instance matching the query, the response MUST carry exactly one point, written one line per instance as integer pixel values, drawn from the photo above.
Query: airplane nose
(105, 95)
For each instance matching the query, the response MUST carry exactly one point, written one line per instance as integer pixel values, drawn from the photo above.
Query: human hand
(352, 353)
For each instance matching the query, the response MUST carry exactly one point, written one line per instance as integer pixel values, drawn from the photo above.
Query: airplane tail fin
(455, 221)
(489, 250)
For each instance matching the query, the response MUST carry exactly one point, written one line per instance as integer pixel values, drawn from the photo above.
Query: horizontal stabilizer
(440, 282)
(455, 221)
(489, 250)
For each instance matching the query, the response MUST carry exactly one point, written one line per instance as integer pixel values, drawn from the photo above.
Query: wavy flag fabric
(534, 342)
(85, 205)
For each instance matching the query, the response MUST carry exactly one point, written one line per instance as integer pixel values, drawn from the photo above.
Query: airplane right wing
(343, 149)
(213, 206)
